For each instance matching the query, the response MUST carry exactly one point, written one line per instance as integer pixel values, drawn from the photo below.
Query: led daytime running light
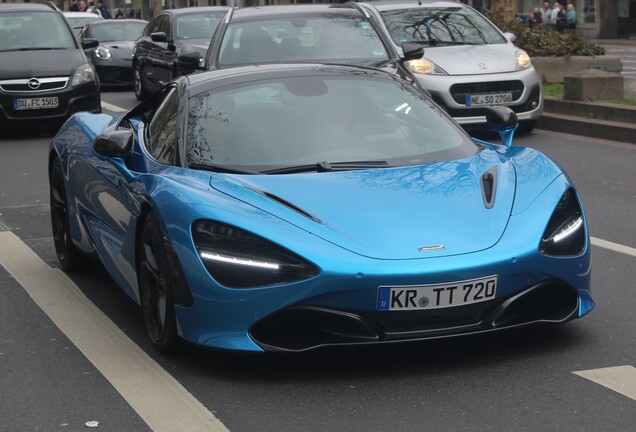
(238, 261)
(568, 230)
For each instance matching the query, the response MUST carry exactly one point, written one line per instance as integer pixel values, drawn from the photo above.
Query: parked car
(289, 207)
(468, 62)
(113, 57)
(45, 75)
(332, 33)
(172, 32)
(78, 20)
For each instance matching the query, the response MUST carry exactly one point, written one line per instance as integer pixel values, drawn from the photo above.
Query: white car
(468, 62)
(78, 20)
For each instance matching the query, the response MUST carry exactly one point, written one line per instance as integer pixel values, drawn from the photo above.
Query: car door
(163, 52)
(153, 51)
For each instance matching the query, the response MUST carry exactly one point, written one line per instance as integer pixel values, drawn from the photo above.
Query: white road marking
(613, 246)
(113, 108)
(160, 400)
(621, 379)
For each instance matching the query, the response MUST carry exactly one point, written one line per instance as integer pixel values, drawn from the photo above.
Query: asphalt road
(513, 381)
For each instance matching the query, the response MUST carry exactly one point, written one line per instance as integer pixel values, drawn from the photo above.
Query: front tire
(67, 253)
(140, 91)
(526, 127)
(155, 287)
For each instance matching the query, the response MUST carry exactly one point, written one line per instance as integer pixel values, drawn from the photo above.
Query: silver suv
(468, 63)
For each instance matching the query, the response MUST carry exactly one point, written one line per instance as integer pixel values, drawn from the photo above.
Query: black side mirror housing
(189, 61)
(89, 43)
(503, 120)
(158, 37)
(114, 143)
(412, 51)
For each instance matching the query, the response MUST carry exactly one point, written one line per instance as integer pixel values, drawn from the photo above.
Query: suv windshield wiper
(228, 169)
(328, 166)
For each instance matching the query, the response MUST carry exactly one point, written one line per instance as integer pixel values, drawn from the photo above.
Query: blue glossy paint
(366, 229)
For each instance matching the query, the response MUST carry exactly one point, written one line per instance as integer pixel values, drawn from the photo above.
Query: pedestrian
(103, 10)
(536, 20)
(119, 14)
(81, 5)
(570, 19)
(557, 17)
(74, 7)
(92, 9)
(545, 14)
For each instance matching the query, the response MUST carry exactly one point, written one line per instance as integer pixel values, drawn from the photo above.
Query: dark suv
(45, 75)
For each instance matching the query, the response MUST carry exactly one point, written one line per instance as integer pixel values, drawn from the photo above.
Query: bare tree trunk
(501, 12)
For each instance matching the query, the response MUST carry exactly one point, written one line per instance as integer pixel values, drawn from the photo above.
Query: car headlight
(103, 53)
(523, 60)
(424, 66)
(565, 234)
(84, 74)
(240, 259)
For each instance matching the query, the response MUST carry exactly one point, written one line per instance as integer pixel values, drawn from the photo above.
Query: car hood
(121, 49)
(40, 63)
(390, 213)
(474, 59)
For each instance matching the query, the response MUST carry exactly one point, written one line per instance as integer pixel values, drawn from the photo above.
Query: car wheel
(140, 91)
(526, 127)
(67, 253)
(155, 287)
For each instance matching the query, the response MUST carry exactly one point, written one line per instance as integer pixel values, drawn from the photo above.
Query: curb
(606, 121)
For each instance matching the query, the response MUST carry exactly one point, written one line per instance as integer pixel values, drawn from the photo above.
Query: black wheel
(67, 253)
(140, 91)
(155, 287)
(526, 127)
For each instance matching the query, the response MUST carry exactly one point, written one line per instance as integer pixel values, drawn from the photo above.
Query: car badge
(432, 248)
(33, 84)
(482, 66)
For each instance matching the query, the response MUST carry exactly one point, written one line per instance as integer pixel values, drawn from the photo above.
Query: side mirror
(504, 121)
(114, 143)
(189, 61)
(510, 36)
(158, 37)
(412, 51)
(89, 43)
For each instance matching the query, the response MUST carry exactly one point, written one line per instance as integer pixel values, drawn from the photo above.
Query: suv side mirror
(158, 37)
(412, 51)
(189, 61)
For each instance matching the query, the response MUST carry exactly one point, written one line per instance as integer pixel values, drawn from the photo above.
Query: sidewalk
(597, 119)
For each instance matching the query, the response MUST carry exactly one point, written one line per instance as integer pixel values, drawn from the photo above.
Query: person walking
(74, 7)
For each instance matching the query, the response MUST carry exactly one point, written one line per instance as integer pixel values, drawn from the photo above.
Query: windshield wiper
(228, 169)
(39, 49)
(328, 166)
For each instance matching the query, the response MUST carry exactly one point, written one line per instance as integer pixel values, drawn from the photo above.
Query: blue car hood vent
(391, 213)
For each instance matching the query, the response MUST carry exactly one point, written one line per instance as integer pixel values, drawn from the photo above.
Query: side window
(164, 25)
(162, 131)
(153, 27)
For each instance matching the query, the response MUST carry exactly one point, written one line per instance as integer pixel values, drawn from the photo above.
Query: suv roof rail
(45, 2)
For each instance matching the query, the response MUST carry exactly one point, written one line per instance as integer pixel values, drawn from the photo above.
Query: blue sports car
(291, 207)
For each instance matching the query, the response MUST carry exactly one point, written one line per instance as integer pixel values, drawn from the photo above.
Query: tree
(501, 12)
